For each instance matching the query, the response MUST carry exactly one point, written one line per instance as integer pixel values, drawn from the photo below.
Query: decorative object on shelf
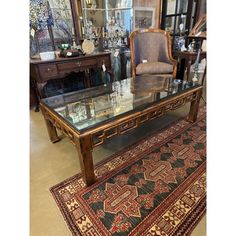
(204, 45)
(46, 56)
(144, 17)
(88, 46)
(71, 53)
(64, 46)
(192, 46)
(182, 25)
(92, 5)
(110, 26)
(180, 43)
(67, 51)
(89, 3)
(180, 40)
(174, 85)
(112, 35)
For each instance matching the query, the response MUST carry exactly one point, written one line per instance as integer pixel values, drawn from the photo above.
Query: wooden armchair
(151, 53)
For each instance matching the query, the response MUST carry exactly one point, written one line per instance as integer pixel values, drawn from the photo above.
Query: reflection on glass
(180, 20)
(182, 6)
(109, 23)
(152, 84)
(51, 24)
(94, 106)
(193, 8)
(191, 23)
(170, 24)
(119, 3)
(171, 7)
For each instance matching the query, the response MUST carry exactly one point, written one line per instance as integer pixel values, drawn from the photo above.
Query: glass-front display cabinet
(107, 23)
(50, 25)
(179, 17)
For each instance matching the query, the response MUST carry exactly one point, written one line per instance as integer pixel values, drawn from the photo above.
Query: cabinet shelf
(103, 9)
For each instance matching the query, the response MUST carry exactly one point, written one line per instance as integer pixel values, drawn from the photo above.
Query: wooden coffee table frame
(85, 142)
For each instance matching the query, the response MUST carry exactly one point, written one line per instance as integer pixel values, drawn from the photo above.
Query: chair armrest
(174, 62)
(171, 59)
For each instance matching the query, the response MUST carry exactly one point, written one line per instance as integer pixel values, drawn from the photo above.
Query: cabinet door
(176, 12)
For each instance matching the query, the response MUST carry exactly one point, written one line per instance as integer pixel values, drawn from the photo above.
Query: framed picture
(144, 17)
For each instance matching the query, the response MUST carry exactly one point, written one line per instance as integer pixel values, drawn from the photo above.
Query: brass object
(89, 3)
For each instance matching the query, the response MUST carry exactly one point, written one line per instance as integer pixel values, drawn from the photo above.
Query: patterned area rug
(154, 187)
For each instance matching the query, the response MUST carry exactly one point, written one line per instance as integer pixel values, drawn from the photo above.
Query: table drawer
(76, 64)
(48, 71)
(105, 60)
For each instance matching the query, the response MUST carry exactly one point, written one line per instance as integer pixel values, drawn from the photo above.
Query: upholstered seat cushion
(154, 68)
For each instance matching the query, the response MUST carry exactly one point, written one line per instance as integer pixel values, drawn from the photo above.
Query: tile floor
(52, 163)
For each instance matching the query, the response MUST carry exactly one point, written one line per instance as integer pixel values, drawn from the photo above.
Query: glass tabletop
(92, 107)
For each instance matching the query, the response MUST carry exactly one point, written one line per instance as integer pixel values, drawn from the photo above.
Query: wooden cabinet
(41, 72)
(189, 58)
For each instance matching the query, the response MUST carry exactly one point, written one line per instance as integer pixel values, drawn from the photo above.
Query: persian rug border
(191, 222)
(186, 226)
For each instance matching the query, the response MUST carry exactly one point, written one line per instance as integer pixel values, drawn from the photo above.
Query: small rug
(154, 187)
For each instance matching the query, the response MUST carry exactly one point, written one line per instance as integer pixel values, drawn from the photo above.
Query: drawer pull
(78, 63)
(48, 71)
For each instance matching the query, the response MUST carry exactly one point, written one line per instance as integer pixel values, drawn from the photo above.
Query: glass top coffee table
(89, 117)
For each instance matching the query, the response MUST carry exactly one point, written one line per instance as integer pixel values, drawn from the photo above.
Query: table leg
(34, 93)
(188, 69)
(87, 78)
(84, 149)
(192, 116)
(204, 75)
(39, 93)
(52, 131)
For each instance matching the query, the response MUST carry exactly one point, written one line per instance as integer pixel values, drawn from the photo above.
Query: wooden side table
(190, 58)
(43, 71)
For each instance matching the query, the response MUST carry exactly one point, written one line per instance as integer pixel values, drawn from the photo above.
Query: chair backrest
(150, 44)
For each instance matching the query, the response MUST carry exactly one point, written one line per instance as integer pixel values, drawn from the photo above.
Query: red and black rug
(154, 187)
